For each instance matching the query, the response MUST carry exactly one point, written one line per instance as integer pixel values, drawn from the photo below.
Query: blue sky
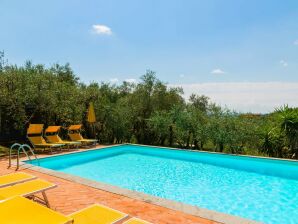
(185, 42)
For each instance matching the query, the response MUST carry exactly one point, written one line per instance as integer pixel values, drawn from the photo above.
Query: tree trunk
(171, 136)
(202, 145)
(221, 147)
(188, 140)
(196, 144)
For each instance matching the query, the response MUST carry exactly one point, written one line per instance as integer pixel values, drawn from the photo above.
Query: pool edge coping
(177, 149)
(211, 152)
(167, 203)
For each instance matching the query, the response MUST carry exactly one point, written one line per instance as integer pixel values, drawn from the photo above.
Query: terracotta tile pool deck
(69, 197)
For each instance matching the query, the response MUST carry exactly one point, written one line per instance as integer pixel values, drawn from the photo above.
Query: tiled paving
(69, 197)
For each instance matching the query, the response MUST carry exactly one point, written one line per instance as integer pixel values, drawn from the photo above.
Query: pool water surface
(259, 189)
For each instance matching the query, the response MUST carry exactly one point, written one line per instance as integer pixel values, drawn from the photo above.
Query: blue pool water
(259, 189)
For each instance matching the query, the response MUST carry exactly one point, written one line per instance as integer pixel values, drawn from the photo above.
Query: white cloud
(131, 80)
(283, 63)
(114, 80)
(217, 71)
(101, 29)
(257, 97)
(296, 42)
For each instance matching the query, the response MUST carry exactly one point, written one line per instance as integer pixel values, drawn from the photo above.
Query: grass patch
(3, 150)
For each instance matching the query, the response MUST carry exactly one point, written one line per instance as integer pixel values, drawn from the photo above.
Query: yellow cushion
(35, 129)
(75, 127)
(25, 189)
(97, 214)
(19, 210)
(52, 129)
(71, 142)
(75, 136)
(37, 140)
(88, 140)
(14, 178)
(54, 139)
(57, 139)
(136, 221)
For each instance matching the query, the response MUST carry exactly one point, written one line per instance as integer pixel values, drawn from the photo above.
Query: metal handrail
(30, 149)
(10, 149)
(23, 149)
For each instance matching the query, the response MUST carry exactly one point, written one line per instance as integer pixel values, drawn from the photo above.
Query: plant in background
(288, 118)
(273, 143)
(147, 112)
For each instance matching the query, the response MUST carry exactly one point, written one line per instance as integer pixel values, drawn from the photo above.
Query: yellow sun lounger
(136, 221)
(15, 178)
(97, 214)
(27, 189)
(19, 210)
(75, 135)
(51, 134)
(34, 134)
(29, 212)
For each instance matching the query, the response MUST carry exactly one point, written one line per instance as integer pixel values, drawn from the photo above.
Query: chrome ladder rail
(10, 150)
(21, 148)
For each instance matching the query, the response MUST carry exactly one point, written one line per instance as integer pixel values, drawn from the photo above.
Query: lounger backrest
(52, 129)
(54, 139)
(35, 129)
(75, 127)
(35, 140)
(75, 136)
(51, 133)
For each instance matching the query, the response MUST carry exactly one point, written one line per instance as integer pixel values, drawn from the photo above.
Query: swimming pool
(259, 189)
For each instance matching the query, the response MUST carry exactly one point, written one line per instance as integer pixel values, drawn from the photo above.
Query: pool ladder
(21, 148)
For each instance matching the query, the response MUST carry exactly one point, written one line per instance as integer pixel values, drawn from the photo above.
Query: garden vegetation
(148, 112)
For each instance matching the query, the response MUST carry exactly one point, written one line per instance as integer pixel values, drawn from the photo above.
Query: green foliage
(34, 93)
(148, 112)
(3, 151)
(288, 119)
(160, 123)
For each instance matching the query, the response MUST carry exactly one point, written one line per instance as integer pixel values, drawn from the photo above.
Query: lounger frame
(32, 195)
(17, 182)
(43, 192)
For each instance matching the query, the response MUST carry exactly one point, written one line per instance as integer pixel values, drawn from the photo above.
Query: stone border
(219, 153)
(170, 204)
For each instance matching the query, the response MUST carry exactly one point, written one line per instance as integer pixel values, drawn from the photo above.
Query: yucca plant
(289, 126)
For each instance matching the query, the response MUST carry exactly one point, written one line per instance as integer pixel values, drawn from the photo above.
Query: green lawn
(3, 150)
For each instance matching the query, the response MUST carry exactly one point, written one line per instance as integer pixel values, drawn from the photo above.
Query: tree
(289, 126)
(148, 112)
(199, 102)
(161, 125)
